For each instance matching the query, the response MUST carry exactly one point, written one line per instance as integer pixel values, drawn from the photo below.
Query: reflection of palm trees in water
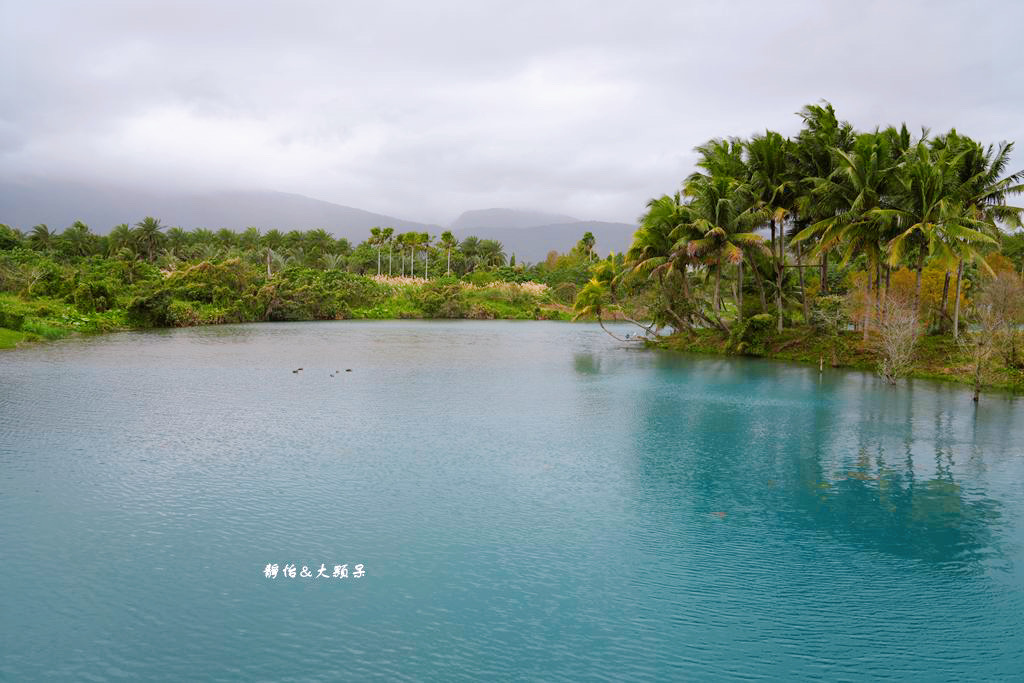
(785, 456)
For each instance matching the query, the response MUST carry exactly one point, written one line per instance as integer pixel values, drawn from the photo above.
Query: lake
(524, 500)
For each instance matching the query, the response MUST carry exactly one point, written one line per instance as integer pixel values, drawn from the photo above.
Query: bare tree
(1003, 298)
(998, 311)
(896, 334)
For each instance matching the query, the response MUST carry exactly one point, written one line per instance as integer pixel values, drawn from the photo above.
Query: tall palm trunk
(945, 299)
(780, 268)
(867, 305)
(718, 281)
(803, 292)
(268, 263)
(389, 260)
(823, 277)
(739, 294)
(378, 261)
(449, 260)
(885, 292)
(956, 300)
(760, 286)
(878, 290)
(917, 285)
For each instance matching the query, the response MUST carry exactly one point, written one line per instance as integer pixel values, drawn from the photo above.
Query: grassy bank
(201, 295)
(936, 357)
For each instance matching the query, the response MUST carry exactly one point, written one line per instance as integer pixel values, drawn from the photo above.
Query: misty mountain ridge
(530, 235)
(508, 218)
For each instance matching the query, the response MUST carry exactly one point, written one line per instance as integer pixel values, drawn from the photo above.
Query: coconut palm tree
(585, 246)
(929, 212)
(773, 183)
(387, 235)
(849, 197)
(376, 240)
(448, 242)
(659, 253)
(424, 241)
(814, 158)
(725, 214)
(984, 189)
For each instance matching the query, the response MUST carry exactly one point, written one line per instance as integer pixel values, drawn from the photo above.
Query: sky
(422, 110)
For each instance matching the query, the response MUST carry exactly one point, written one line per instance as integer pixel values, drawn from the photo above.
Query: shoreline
(936, 357)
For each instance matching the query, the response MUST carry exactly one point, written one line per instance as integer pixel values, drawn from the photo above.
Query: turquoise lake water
(527, 500)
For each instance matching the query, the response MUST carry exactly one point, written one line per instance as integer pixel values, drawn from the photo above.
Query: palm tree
(41, 237)
(774, 185)
(848, 198)
(120, 236)
(78, 239)
(448, 241)
(227, 238)
(148, 235)
(424, 241)
(250, 239)
(176, 238)
(318, 242)
(388, 236)
(470, 247)
(376, 240)
(586, 246)
(654, 252)
(333, 261)
(492, 253)
(929, 212)
(273, 239)
(984, 191)
(815, 161)
(725, 214)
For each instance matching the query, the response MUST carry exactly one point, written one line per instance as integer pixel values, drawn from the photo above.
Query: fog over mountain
(507, 218)
(101, 207)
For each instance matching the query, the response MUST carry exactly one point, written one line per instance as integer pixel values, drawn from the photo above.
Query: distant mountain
(101, 207)
(508, 218)
(533, 244)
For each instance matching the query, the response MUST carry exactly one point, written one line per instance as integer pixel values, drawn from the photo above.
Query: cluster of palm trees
(775, 207)
(471, 252)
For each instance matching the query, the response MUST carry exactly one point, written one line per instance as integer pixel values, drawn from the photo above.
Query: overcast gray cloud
(424, 109)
